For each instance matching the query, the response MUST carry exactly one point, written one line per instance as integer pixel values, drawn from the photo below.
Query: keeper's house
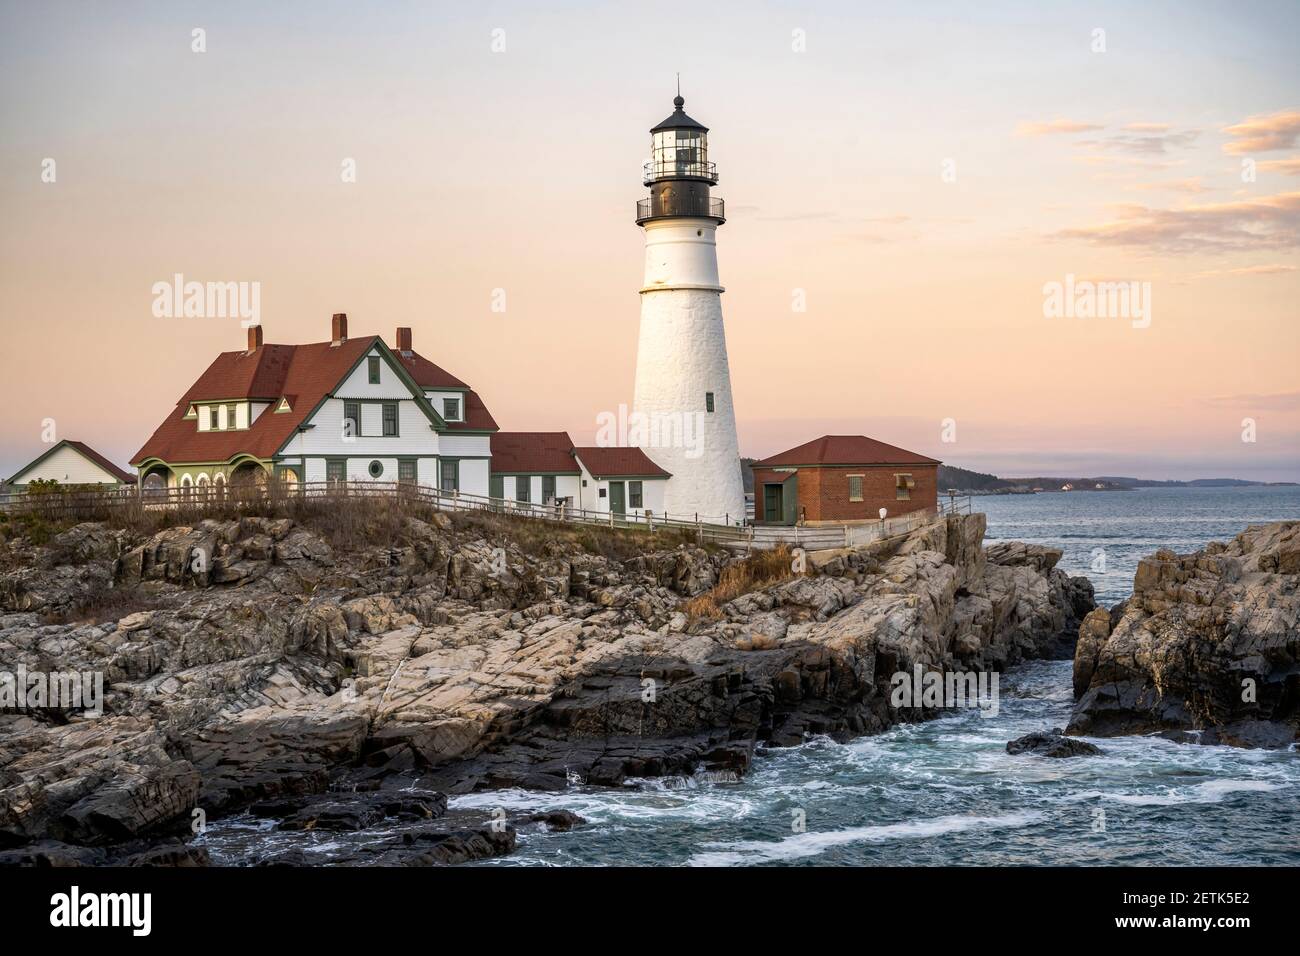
(838, 479)
(348, 408)
(72, 463)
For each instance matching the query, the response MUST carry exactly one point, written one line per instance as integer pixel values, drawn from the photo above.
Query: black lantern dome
(679, 173)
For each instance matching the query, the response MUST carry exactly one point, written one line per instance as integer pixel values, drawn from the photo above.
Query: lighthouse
(682, 396)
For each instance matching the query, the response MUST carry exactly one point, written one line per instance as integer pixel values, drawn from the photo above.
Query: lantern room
(679, 149)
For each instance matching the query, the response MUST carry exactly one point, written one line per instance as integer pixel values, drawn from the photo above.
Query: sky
(904, 184)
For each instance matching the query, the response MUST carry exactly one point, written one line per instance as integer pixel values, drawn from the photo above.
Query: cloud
(1051, 127)
(1190, 185)
(1268, 270)
(1147, 127)
(1287, 167)
(1270, 222)
(1257, 134)
(1155, 144)
(1274, 402)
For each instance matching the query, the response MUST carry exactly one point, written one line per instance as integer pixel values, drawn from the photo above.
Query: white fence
(85, 505)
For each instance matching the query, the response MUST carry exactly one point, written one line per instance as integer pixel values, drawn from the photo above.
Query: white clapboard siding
(67, 466)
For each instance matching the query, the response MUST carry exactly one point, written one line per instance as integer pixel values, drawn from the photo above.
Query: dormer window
(213, 418)
(451, 409)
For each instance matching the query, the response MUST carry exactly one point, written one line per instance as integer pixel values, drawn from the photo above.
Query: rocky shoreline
(279, 674)
(250, 667)
(1207, 650)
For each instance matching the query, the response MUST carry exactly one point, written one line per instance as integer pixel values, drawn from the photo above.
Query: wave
(803, 845)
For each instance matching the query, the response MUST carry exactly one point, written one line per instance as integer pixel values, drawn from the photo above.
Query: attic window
(451, 409)
(373, 363)
(283, 406)
(192, 412)
(903, 485)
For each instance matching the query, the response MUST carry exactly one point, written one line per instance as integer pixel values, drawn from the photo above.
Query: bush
(761, 569)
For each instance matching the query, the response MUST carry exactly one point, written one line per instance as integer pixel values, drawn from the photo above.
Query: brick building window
(855, 487)
(903, 485)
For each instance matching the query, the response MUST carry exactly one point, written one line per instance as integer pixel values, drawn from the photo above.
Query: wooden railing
(195, 503)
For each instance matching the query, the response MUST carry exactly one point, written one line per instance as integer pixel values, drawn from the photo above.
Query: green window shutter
(373, 362)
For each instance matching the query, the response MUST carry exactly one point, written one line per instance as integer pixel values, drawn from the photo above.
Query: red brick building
(843, 478)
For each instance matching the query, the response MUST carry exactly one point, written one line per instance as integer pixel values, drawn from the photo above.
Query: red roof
(121, 474)
(619, 463)
(427, 374)
(846, 450)
(477, 417)
(533, 453)
(304, 373)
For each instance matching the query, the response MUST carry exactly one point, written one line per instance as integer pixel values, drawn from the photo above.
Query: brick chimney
(403, 340)
(339, 328)
(254, 338)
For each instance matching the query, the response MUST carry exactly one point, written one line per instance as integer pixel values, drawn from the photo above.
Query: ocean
(946, 791)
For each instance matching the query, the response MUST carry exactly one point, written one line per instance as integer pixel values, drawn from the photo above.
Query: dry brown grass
(538, 537)
(761, 569)
(347, 522)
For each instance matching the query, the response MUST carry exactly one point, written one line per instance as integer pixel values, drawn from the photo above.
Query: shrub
(761, 569)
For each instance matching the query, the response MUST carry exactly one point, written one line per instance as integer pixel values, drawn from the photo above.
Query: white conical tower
(683, 416)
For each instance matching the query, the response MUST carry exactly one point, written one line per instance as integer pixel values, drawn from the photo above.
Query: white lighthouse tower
(682, 397)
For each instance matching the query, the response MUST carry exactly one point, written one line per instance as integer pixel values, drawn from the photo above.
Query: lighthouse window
(708, 401)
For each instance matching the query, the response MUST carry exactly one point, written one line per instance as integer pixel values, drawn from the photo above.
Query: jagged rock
(275, 667)
(1052, 744)
(557, 820)
(1208, 642)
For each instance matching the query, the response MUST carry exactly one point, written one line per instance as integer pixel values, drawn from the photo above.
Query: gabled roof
(306, 375)
(533, 453)
(121, 474)
(477, 417)
(619, 463)
(310, 372)
(845, 450)
(425, 373)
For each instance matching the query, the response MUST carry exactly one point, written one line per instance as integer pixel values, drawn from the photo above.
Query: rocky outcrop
(1209, 643)
(1052, 744)
(254, 665)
